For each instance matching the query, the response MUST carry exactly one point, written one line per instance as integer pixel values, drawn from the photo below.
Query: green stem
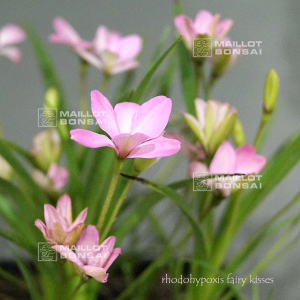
(83, 67)
(77, 289)
(116, 210)
(105, 82)
(118, 164)
(260, 130)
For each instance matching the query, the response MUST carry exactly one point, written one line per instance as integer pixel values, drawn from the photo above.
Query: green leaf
(137, 97)
(188, 78)
(181, 203)
(24, 178)
(27, 274)
(275, 170)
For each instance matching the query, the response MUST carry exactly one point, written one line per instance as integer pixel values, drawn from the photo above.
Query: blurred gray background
(274, 22)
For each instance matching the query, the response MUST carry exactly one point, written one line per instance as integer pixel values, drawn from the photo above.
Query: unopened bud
(238, 133)
(51, 98)
(142, 164)
(270, 91)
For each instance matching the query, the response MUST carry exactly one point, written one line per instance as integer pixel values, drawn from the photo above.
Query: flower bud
(6, 171)
(238, 133)
(142, 164)
(270, 91)
(46, 148)
(51, 98)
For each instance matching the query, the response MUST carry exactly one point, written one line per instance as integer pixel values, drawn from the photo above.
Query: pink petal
(197, 167)
(202, 22)
(91, 139)
(52, 216)
(42, 227)
(224, 161)
(248, 162)
(11, 34)
(65, 33)
(201, 107)
(97, 273)
(184, 26)
(100, 106)
(152, 117)
(130, 46)
(12, 53)
(58, 175)
(126, 142)
(124, 113)
(223, 27)
(90, 57)
(109, 243)
(123, 66)
(111, 258)
(89, 237)
(69, 254)
(64, 208)
(114, 44)
(159, 147)
(79, 220)
(220, 111)
(102, 37)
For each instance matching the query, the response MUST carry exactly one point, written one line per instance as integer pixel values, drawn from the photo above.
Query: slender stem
(198, 79)
(260, 130)
(116, 210)
(118, 164)
(105, 82)
(81, 282)
(83, 67)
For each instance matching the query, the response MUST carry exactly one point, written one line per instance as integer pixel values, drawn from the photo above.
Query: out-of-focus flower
(60, 227)
(6, 171)
(109, 51)
(11, 34)
(66, 34)
(91, 259)
(204, 25)
(135, 130)
(113, 53)
(54, 180)
(190, 151)
(214, 123)
(46, 148)
(228, 160)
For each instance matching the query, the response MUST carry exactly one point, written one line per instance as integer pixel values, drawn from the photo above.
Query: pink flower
(203, 24)
(60, 227)
(54, 180)
(91, 259)
(66, 34)
(135, 130)
(112, 52)
(228, 160)
(213, 124)
(11, 34)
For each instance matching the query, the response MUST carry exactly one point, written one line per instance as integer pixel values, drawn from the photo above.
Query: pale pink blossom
(66, 34)
(54, 180)
(213, 123)
(91, 259)
(11, 34)
(59, 227)
(113, 53)
(228, 160)
(135, 130)
(204, 24)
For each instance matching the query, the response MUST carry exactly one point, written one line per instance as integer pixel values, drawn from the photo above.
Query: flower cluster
(66, 233)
